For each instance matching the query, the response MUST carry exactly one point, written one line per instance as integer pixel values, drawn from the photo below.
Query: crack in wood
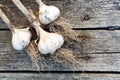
(66, 72)
(100, 28)
(97, 28)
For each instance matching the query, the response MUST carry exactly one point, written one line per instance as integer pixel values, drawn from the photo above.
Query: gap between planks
(59, 72)
(109, 28)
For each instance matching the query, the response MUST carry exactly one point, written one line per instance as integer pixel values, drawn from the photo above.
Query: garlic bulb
(21, 38)
(47, 14)
(49, 42)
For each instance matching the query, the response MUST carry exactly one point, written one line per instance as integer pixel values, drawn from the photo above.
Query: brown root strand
(35, 56)
(33, 53)
(63, 27)
(66, 58)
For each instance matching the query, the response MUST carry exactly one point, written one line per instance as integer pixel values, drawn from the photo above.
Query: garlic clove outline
(47, 14)
(21, 38)
(49, 42)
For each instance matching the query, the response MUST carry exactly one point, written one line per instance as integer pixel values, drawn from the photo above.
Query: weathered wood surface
(3, 25)
(19, 60)
(102, 13)
(96, 41)
(101, 41)
(84, 76)
(100, 51)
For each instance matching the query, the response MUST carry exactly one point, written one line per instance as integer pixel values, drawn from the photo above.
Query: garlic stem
(6, 20)
(41, 31)
(27, 13)
(30, 16)
(40, 3)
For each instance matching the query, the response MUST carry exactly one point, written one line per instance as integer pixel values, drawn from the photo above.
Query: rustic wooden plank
(101, 41)
(19, 60)
(3, 25)
(102, 13)
(83, 76)
(11, 59)
(96, 41)
(101, 62)
(95, 62)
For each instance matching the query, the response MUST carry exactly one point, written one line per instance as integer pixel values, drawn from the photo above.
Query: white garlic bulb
(47, 14)
(49, 42)
(21, 38)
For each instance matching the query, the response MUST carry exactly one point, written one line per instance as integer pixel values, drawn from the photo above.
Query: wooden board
(57, 76)
(102, 13)
(3, 25)
(101, 41)
(19, 60)
(98, 55)
(96, 41)
(11, 59)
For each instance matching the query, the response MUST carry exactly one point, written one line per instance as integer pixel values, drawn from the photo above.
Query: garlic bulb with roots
(20, 37)
(49, 42)
(47, 14)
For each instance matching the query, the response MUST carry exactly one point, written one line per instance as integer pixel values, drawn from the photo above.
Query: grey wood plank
(11, 59)
(100, 62)
(102, 13)
(83, 76)
(101, 41)
(19, 60)
(3, 25)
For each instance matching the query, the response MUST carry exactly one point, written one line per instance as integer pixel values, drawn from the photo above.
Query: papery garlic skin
(21, 38)
(50, 43)
(48, 14)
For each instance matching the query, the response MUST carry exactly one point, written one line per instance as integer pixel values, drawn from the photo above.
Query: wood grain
(99, 50)
(3, 25)
(19, 60)
(84, 76)
(101, 41)
(80, 13)
(102, 13)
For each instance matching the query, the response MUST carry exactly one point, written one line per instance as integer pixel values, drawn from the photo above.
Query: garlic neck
(19, 30)
(7, 21)
(41, 32)
(40, 3)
